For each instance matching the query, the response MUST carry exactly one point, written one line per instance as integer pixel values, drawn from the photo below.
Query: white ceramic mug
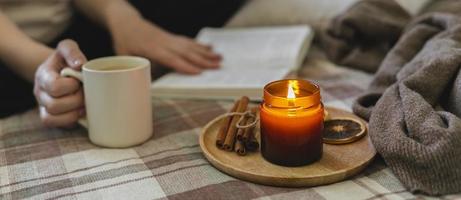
(117, 100)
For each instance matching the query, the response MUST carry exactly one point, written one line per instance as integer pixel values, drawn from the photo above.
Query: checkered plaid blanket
(41, 163)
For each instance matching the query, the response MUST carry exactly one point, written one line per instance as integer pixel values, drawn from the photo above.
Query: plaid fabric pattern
(41, 163)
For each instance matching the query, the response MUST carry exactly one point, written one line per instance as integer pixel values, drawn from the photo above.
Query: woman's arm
(18, 51)
(106, 12)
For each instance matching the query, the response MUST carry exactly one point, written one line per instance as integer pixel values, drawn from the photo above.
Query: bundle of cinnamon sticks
(240, 140)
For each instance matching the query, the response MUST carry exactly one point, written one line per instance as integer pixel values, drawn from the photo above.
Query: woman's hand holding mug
(60, 98)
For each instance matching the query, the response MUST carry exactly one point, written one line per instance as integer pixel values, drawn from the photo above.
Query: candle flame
(291, 93)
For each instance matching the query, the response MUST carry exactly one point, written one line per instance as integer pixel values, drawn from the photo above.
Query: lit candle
(291, 123)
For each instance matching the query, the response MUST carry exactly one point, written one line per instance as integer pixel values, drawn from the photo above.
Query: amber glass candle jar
(291, 123)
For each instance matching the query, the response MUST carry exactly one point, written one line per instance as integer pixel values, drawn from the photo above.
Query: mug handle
(68, 72)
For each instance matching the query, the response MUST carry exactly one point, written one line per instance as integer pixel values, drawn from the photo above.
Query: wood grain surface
(338, 162)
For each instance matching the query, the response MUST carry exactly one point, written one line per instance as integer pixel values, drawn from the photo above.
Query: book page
(268, 47)
(252, 57)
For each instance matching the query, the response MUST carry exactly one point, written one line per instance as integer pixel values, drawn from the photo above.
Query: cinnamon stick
(250, 130)
(241, 131)
(240, 148)
(249, 137)
(230, 136)
(224, 127)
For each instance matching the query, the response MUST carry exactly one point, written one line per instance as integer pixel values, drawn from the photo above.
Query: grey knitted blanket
(414, 104)
(362, 36)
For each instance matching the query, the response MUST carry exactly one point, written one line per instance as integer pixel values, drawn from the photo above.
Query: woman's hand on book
(142, 38)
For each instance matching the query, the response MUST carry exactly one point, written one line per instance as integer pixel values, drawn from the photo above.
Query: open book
(252, 57)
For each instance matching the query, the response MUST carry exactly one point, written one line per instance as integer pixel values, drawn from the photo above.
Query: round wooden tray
(338, 162)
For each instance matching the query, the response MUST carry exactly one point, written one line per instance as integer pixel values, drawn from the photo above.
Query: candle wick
(291, 95)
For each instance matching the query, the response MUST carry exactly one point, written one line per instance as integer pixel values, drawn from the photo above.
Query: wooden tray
(338, 162)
